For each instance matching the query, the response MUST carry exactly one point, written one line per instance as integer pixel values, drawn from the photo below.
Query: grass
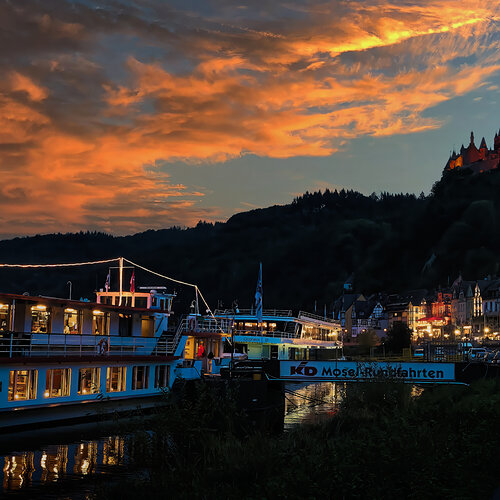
(383, 443)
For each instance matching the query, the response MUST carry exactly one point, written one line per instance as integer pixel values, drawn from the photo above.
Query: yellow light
(84, 391)
(457, 332)
(16, 396)
(97, 312)
(69, 310)
(486, 330)
(39, 308)
(4, 306)
(46, 394)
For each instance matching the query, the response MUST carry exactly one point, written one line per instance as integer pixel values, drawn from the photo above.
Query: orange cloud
(84, 118)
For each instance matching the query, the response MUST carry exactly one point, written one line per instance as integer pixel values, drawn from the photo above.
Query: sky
(122, 116)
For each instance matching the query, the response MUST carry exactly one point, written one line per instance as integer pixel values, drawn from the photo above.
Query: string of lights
(197, 290)
(106, 261)
(66, 264)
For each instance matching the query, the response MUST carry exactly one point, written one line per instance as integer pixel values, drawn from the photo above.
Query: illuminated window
(162, 376)
(4, 317)
(57, 383)
(72, 321)
(100, 323)
(140, 377)
(40, 319)
(88, 380)
(116, 379)
(22, 385)
(148, 326)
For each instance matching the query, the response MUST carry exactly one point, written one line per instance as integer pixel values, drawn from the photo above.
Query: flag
(258, 298)
(132, 282)
(107, 285)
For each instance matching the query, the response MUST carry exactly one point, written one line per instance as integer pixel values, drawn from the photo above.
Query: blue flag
(258, 298)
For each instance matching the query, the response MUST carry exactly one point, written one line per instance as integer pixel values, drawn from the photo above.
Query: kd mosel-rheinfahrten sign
(352, 371)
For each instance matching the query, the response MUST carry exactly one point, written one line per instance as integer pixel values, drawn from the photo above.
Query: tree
(398, 337)
(368, 339)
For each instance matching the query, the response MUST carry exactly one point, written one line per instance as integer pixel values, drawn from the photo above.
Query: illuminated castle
(478, 160)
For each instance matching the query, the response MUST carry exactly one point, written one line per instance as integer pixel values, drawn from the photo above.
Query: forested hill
(308, 248)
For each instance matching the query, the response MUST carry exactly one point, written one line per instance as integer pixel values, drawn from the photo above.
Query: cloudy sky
(127, 115)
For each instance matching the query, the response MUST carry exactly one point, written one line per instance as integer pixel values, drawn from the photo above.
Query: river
(62, 468)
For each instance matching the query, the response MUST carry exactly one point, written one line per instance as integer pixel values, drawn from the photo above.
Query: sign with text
(357, 371)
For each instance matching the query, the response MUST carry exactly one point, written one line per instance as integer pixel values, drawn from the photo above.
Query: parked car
(476, 353)
(489, 357)
(419, 352)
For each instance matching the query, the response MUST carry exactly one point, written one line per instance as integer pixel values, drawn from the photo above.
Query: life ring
(191, 324)
(103, 346)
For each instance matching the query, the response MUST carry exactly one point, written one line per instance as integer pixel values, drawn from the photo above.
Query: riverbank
(382, 443)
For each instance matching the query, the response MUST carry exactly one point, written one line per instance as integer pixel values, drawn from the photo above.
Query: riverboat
(278, 334)
(63, 361)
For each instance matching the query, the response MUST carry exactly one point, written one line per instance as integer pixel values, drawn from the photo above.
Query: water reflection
(311, 403)
(55, 462)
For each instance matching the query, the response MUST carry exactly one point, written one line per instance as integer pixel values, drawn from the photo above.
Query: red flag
(132, 282)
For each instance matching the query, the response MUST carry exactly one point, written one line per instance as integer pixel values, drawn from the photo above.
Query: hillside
(308, 248)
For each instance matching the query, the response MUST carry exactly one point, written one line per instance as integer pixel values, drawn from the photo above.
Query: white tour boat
(63, 361)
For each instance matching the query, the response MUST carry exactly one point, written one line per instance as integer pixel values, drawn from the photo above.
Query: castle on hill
(478, 160)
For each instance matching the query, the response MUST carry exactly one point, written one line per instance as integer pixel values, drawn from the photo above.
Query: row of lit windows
(23, 383)
(41, 321)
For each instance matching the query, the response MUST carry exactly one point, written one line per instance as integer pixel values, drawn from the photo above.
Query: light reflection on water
(305, 403)
(52, 463)
(311, 403)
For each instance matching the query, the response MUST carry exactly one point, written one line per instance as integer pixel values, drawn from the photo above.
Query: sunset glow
(97, 98)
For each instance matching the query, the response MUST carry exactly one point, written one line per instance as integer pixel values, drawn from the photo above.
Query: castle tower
(496, 144)
(471, 139)
(483, 149)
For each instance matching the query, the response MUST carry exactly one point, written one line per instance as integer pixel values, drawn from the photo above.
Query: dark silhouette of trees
(308, 247)
(398, 338)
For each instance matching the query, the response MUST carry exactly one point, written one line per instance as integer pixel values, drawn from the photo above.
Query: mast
(121, 279)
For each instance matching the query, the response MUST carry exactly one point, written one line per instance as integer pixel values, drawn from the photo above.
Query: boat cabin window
(125, 325)
(22, 384)
(72, 321)
(40, 319)
(57, 383)
(116, 378)
(89, 380)
(162, 376)
(148, 326)
(100, 323)
(4, 317)
(140, 377)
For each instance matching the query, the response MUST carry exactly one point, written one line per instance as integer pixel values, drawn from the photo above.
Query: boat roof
(81, 304)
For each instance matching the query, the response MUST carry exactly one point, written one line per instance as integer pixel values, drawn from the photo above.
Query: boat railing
(267, 333)
(17, 344)
(317, 317)
(228, 313)
(193, 325)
